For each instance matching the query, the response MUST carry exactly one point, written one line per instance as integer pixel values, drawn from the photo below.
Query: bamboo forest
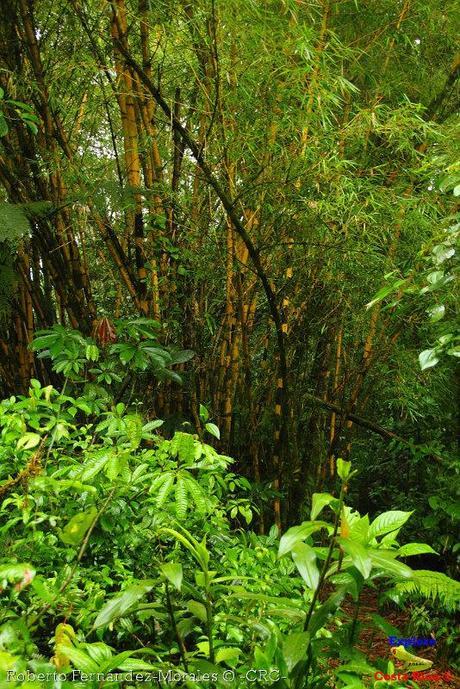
(229, 343)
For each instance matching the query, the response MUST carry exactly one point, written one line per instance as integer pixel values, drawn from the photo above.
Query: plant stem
(355, 620)
(322, 578)
(208, 606)
(327, 561)
(180, 641)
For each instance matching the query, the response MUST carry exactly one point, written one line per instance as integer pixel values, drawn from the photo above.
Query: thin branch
(364, 423)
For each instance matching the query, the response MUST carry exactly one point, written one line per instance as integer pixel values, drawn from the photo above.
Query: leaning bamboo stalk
(131, 147)
(338, 359)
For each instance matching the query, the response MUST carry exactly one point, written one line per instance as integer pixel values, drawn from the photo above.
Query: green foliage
(135, 348)
(432, 283)
(431, 586)
(327, 126)
(426, 619)
(127, 535)
(14, 223)
(11, 110)
(8, 280)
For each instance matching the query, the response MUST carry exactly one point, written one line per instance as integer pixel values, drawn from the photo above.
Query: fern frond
(157, 482)
(14, 223)
(431, 586)
(133, 425)
(181, 498)
(197, 494)
(165, 490)
(183, 446)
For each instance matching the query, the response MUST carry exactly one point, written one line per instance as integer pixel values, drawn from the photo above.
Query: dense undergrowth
(132, 559)
(276, 183)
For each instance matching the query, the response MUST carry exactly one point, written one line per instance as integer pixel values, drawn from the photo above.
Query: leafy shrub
(121, 553)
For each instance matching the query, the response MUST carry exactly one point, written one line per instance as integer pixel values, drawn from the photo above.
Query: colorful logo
(411, 641)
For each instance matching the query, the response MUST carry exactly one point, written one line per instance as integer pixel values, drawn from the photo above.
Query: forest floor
(375, 644)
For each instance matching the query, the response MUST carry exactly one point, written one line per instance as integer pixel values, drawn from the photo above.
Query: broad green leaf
(121, 604)
(435, 277)
(132, 664)
(190, 543)
(295, 648)
(319, 501)
(321, 616)
(296, 534)
(114, 661)
(28, 441)
(305, 560)
(351, 681)
(204, 414)
(13, 572)
(442, 252)
(428, 359)
(7, 661)
(348, 580)
(360, 667)
(92, 352)
(415, 549)
(75, 530)
(117, 467)
(203, 666)
(436, 313)
(292, 614)
(152, 425)
(182, 356)
(385, 560)
(343, 468)
(197, 609)
(80, 660)
(388, 521)
(241, 593)
(173, 572)
(93, 466)
(165, 490)
(42, 591)
(84, 406)
(46, 483)
(359, 530)
(359, 556)
(99, 652)
(227, 653)
(213, 430)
